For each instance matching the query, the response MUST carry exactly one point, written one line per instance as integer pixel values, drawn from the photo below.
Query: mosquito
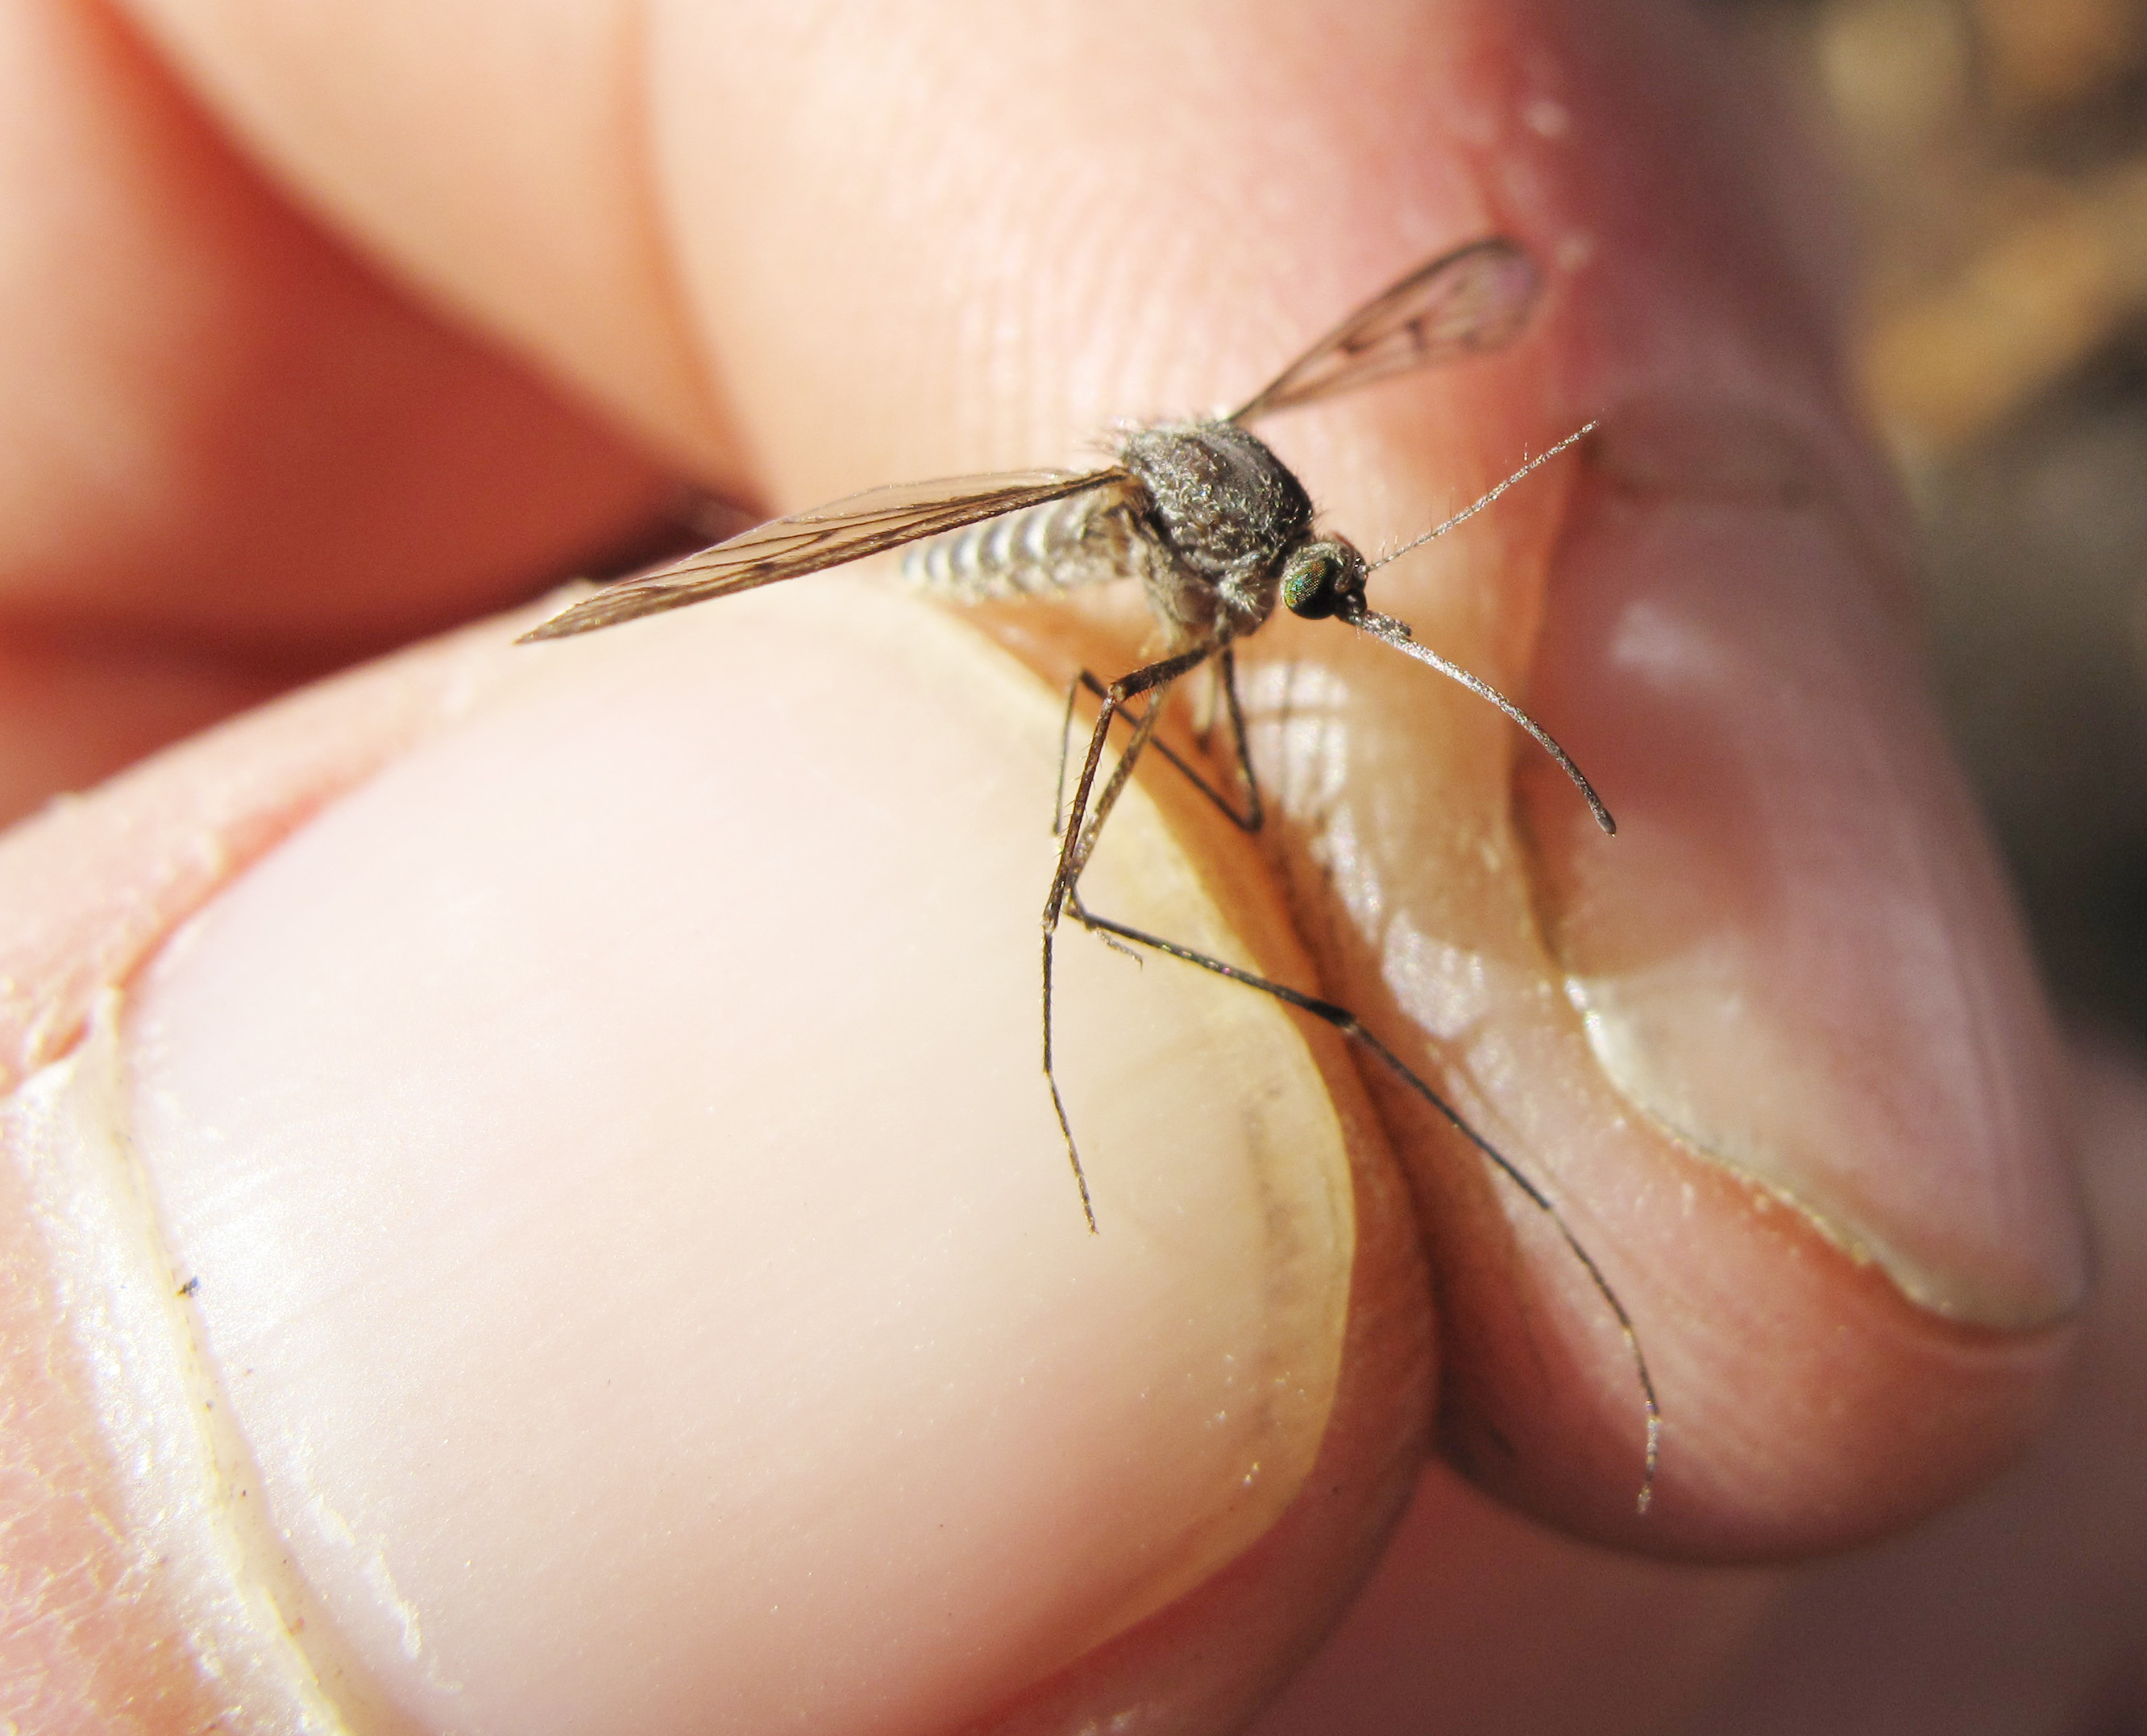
(1218, 531)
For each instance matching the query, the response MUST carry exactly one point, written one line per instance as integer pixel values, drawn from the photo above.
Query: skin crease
(681, 248)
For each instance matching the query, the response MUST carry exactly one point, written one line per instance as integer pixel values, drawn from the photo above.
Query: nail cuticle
(1612, 1041)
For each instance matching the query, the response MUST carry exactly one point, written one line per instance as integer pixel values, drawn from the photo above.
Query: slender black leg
(1057, 1102)
(1066, 744)
(1255, 813)
(1250, 819)
(1351, 1027)
(1078, 840)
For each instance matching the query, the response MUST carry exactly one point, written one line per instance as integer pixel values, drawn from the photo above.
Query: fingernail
(1800, 955)
(632, 1231)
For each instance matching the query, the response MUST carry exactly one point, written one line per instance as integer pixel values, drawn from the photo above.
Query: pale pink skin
(789, 259)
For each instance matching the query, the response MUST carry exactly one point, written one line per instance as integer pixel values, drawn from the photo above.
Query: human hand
(630, 1231)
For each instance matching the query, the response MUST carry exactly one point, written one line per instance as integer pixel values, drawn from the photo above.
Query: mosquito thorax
(1222, 500)
(1322, 578)
(1225, 510)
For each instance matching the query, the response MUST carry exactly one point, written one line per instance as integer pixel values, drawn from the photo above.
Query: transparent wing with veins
(1468, 302)
(829, 536)
(1471, 301)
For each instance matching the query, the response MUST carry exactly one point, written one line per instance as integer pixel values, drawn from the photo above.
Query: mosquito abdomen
(1059, 546)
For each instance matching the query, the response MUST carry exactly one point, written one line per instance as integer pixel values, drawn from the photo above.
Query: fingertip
(610, 1152)
(1799, 969)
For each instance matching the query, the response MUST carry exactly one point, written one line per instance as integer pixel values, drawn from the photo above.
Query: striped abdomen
(1084, 540)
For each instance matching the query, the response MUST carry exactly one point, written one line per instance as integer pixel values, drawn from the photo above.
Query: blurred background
(1994, 155)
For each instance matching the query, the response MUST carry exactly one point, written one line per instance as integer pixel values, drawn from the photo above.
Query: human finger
(239, 456)
(1826, 1463)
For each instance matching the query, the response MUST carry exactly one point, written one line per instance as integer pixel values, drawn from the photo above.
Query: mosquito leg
(1058, 1102)
(1247, 821)
(1065, 822)
(1255, 814)
(1087, 681)
(1066, 744)
(1078, 838)
(1351, 1027)
(1106, 799)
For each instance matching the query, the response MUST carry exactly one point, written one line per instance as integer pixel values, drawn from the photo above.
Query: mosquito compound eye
(1318, 579)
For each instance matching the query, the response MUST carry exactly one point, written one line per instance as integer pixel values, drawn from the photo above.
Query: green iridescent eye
(1311, 582)
(1321, 580)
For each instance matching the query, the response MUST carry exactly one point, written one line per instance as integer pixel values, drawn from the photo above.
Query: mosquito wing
(1469, 301)
(829, 536)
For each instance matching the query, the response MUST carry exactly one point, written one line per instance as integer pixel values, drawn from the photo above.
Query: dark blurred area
(1994, 154)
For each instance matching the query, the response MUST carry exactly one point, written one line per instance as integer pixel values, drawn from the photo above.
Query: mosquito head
(1322, 578)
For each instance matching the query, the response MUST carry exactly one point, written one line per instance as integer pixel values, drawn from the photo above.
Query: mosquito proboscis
(1218, 531)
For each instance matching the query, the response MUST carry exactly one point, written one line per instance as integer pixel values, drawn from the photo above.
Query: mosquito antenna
(1331, 582)
(1388, 631)
(1475, 506)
